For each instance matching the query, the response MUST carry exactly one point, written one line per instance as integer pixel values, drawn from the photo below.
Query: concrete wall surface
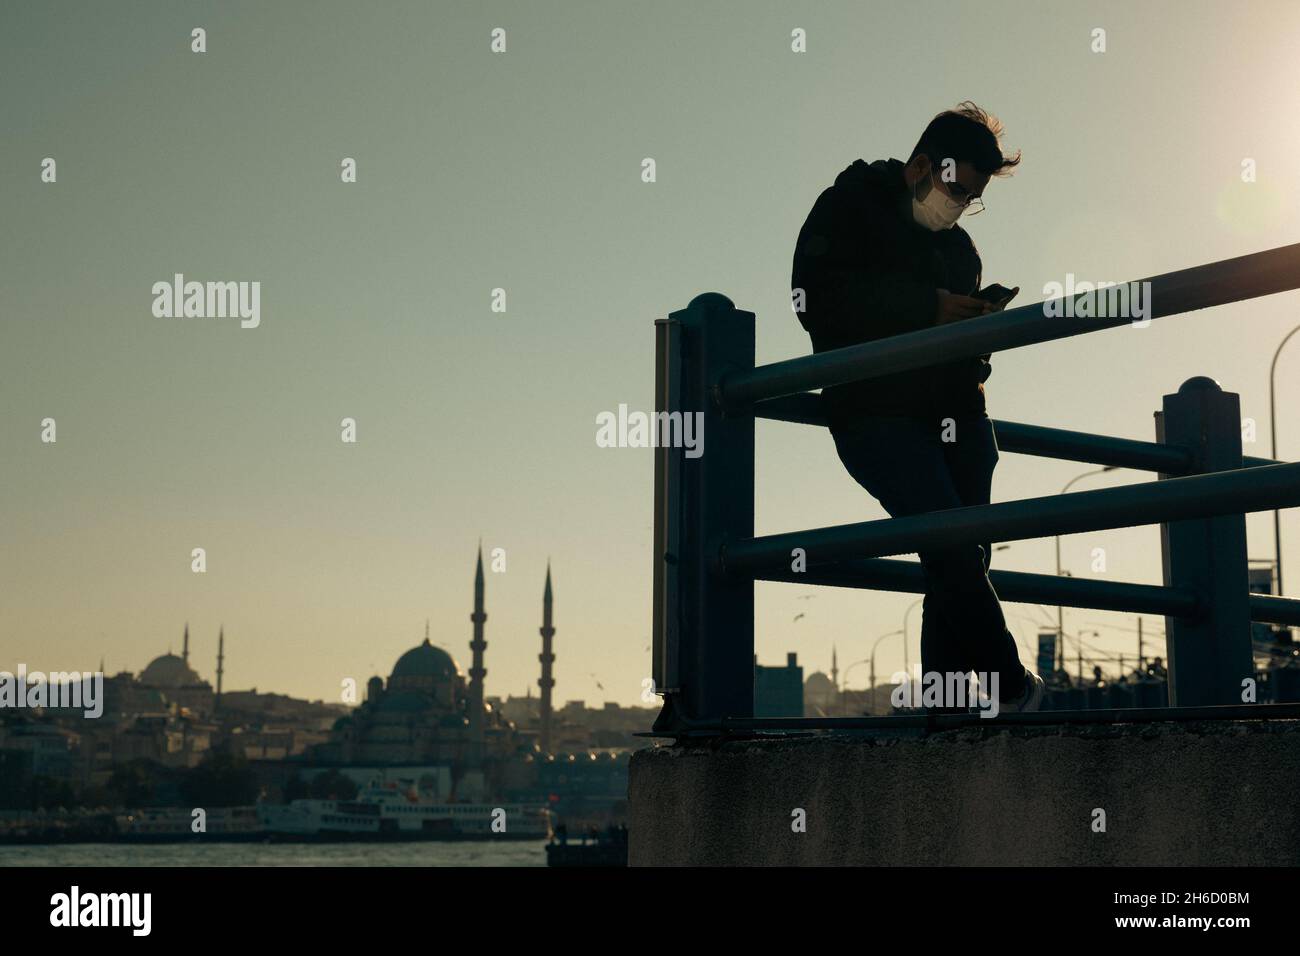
(1210, 793)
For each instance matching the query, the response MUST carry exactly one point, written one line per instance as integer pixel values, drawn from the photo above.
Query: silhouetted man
(881, 254)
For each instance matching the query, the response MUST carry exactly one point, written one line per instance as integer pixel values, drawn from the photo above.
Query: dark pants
(905, 464)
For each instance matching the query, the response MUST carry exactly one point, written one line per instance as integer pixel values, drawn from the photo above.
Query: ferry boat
(174, 824)
(389, 812)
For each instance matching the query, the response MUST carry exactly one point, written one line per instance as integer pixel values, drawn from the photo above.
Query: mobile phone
(998, 295)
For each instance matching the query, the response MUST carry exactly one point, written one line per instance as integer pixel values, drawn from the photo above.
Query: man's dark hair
(967, 133)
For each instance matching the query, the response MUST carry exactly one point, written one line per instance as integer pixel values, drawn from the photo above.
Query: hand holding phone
(997, 296)
(955, 308)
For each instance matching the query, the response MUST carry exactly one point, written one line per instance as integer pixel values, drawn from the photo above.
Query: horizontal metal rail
(893, 723)
(1200, 287)
(1174, 499)
(1270, 609)
(886, 574)
(801, 408)
(1092, 449)
(1018, 438)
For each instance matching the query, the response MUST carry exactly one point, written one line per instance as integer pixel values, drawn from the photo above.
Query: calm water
(512, 853)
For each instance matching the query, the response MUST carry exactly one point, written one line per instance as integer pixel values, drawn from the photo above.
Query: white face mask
(936, 211)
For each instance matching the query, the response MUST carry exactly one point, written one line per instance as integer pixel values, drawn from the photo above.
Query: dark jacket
(868, 271)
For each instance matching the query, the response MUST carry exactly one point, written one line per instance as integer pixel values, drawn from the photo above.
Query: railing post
(1209, 655)
(703, 620)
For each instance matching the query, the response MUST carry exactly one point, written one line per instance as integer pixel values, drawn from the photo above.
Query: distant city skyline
(522, 171)
(463, 661)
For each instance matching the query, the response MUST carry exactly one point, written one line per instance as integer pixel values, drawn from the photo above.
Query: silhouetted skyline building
(778, 691)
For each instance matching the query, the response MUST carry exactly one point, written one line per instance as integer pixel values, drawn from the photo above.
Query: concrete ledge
(1212, 793)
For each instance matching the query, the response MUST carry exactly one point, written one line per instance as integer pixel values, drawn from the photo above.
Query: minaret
(221, 659)
(477, 671)
(185, 647)
(835, 682)
(547, 658)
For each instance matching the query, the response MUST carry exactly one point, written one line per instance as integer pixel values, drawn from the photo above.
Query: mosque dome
(818, 683)
(425, 661)
(169, 671)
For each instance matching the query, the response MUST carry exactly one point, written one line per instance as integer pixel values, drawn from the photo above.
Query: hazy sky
(522, 171)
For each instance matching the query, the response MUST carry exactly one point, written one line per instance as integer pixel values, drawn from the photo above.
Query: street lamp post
(906, 614)
(844, 683)
(1272, 427)
(1060, 610)
(873, 661)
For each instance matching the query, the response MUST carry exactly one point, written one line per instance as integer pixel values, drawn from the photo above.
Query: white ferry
(386, 811)
(172, 824)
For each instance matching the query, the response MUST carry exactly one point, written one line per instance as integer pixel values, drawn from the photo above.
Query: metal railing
(706, 557)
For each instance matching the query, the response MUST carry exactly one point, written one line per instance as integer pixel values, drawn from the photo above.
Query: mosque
(168, 679)
(430, 712)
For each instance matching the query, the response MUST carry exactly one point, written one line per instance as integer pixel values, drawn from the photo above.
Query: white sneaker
(1030, 700)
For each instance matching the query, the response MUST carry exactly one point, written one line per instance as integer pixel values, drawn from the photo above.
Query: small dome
(169, 671)
(819, 683)
(425, 661)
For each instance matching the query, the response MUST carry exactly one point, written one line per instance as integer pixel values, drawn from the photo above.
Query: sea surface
(474, 853)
